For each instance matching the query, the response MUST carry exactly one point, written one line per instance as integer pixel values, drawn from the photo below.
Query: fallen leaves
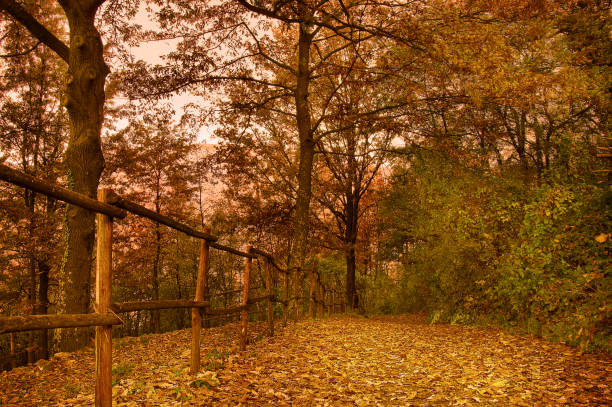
(334, 362)
(602, 238)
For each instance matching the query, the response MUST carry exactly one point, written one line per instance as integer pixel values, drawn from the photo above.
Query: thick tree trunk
(351, 290)
(351, 213)
(350, 241)
(304, 193)
(84, 100)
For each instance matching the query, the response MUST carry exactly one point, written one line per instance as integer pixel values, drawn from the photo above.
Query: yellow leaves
(164, 385)
(602, 238)
(394, 361)
(499, 383)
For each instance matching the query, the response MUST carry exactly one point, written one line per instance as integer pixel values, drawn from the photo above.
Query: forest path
(339, 361)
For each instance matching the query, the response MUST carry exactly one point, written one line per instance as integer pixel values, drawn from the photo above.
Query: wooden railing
(109, 206)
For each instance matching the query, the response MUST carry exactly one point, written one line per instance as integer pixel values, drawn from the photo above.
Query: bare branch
(22, 53)
(35, 28)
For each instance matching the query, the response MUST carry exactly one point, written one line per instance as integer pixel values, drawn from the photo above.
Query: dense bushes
(478, 247)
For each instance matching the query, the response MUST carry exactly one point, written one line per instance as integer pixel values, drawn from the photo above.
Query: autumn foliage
(444, 157)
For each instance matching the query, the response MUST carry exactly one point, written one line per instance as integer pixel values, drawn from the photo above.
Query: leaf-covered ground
(338, 362)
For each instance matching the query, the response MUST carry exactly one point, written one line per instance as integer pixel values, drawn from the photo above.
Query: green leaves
(476, 247)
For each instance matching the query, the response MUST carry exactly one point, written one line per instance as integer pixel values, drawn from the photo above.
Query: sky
(152, 53)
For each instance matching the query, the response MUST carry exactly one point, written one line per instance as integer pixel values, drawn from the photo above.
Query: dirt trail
(338, 362)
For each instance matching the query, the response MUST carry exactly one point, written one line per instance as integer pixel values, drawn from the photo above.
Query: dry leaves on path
(332, 362)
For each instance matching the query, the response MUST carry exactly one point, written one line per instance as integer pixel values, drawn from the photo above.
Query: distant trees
(281, 62)
(32, 134)
(152, 161)
(359, 140)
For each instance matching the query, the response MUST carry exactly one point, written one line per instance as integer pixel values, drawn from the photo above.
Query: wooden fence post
(196, 313)
(246, 282)
(104, 334)
(269, 292)
(205, 288)
(12, 349)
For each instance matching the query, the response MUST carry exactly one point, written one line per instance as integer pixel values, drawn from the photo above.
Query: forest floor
(339, 361)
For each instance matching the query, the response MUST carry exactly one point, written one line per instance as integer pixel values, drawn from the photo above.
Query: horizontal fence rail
(34, 322)
(60, 193)
(109, 206)
(270, 259)
(232, 250)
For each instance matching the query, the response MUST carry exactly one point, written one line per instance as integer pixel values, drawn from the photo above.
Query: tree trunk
(539, 151)
(84, 100)
(155, 314)
(351, 213)
(181, 312)
(32, 291)
(44, 269)
(137, 325)
(351, 291)
(311, 303)
(522, 141)
(43, 306)
(30, 201)
(304, 193)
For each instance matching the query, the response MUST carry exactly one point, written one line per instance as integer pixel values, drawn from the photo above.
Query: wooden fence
(110, 206)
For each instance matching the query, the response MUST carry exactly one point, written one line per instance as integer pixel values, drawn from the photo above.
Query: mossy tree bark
(84, 101)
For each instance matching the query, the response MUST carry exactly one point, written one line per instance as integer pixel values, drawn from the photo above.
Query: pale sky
(152, 53)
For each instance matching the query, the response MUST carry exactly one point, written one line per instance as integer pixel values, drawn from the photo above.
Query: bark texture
(307, 144)
(84, 162)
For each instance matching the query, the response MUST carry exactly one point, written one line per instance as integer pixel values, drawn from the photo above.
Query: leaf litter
(339, 361)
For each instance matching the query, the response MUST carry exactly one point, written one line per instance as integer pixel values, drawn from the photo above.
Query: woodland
(444, 158)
